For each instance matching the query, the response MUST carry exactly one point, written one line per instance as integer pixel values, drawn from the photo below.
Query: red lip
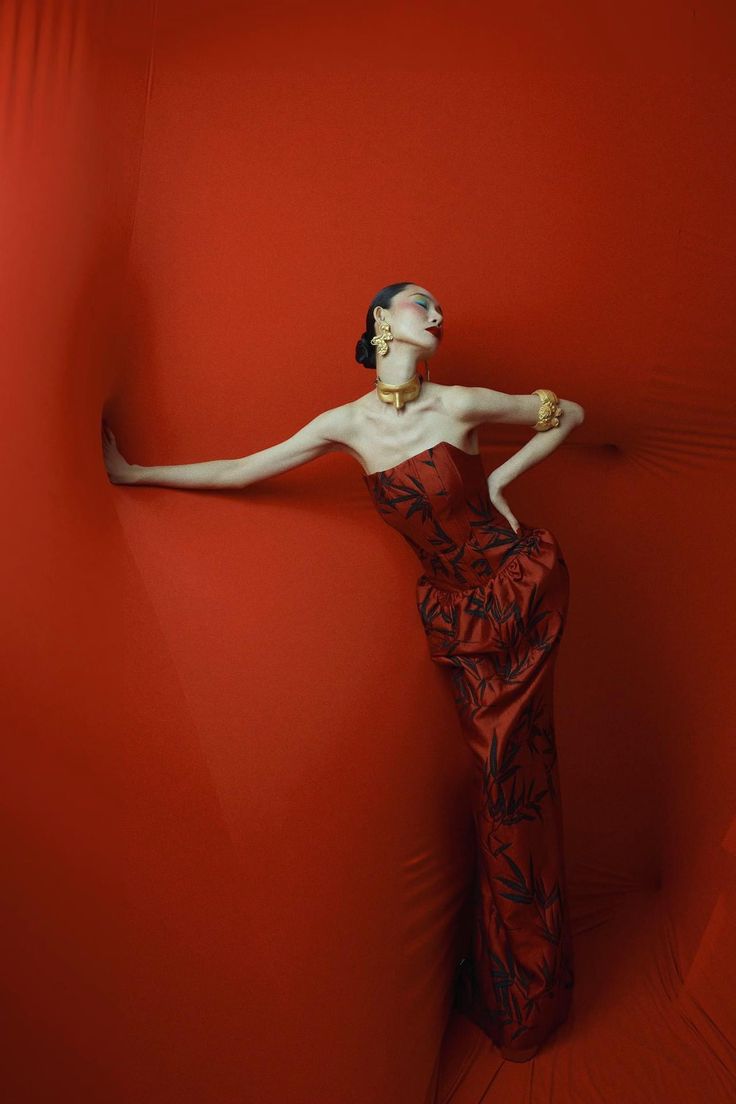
(436, 330)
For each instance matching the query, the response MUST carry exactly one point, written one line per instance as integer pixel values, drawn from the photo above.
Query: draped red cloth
(244, 795)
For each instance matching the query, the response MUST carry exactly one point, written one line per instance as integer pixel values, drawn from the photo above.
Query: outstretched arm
(319, 436)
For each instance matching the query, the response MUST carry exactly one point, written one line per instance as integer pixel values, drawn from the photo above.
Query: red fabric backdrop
(238, 844)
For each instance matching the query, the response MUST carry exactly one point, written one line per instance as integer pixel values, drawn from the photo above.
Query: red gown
(493, 605)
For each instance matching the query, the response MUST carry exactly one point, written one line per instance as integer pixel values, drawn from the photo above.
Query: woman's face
(413, 311)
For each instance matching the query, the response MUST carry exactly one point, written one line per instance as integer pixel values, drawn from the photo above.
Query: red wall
(237, 840)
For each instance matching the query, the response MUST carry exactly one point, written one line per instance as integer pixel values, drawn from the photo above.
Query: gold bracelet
(550, 410)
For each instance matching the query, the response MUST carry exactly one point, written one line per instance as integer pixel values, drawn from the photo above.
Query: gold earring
(382, 338)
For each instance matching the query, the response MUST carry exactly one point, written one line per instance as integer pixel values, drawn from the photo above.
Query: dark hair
(365, 353)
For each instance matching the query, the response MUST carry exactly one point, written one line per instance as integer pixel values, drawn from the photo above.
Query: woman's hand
(118, 468)
(495, 493)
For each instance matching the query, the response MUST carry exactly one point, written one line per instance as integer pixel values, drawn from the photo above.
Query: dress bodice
(438, 500)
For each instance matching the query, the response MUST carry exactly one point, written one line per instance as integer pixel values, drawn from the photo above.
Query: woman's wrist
(135, 473)
(124, 476)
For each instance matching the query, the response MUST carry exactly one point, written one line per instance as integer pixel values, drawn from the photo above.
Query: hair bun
(364, 351)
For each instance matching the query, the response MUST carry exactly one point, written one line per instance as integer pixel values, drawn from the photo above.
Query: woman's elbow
(573, 411)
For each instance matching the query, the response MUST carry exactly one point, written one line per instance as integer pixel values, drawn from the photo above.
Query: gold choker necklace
(399, 393)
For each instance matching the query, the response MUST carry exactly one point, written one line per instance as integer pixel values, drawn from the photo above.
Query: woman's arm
(541, 445)
(319, 436)
(476, 405)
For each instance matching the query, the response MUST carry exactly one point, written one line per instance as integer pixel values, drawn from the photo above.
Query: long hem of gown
(466, 1002)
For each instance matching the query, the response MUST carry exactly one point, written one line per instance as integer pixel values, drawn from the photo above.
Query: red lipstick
(436, 330)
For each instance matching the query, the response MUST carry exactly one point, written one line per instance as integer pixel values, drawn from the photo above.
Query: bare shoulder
(334, 424)
(459, 402)
(450, 397)
(331, 429)
(341, 428)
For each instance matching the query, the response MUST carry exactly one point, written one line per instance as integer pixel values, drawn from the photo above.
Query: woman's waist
(480, 566)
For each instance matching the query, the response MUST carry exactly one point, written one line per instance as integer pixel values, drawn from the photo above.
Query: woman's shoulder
(449, 395)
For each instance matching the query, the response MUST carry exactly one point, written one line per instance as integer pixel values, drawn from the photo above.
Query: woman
(493, 600)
